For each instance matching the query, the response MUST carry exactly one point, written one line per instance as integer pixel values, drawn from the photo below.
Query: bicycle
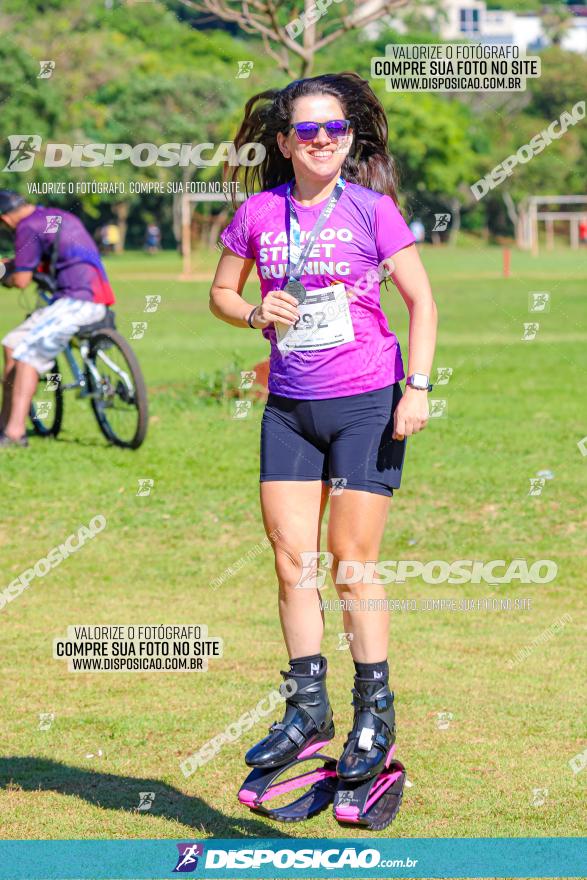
(105, 370)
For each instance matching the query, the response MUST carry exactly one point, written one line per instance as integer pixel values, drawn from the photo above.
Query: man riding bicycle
(59, 242)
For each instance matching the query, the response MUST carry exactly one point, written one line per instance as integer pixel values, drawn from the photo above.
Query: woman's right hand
(277, 306)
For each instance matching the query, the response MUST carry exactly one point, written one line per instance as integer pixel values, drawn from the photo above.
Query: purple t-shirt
(79, 269)
(364, 229)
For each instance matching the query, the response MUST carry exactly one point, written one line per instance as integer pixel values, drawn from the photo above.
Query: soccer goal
(549, 210)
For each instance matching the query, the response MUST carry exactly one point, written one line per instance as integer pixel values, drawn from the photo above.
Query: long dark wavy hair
(368, 162)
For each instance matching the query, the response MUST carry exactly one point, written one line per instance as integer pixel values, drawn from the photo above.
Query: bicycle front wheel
(117, 389)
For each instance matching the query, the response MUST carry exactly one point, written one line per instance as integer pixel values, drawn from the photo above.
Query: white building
(471, 20)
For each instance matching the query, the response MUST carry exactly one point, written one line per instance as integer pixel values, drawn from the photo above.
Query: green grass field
(514, 408)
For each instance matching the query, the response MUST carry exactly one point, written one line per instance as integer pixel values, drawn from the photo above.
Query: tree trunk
(511, 209)
(309, 41)
(216, 226)
(455, 224)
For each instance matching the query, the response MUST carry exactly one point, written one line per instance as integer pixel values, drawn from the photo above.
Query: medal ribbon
(294, 272)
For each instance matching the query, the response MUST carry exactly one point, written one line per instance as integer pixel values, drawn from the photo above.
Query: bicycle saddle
(107, 323)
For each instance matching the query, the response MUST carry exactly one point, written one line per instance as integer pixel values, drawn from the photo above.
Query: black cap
(10, 201)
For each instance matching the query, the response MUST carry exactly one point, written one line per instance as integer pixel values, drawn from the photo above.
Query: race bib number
(324, 322)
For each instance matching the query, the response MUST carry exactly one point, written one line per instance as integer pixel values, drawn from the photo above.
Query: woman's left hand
(411, 414)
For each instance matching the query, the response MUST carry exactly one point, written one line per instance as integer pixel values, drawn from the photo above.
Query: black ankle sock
(312, 665)
(375, 671)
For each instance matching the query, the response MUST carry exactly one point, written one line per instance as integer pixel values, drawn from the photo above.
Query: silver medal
(296, 289)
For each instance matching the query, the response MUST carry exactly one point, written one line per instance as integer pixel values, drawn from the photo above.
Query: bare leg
(24, 387)
(292, 514)
(7, 383)
(355, 528)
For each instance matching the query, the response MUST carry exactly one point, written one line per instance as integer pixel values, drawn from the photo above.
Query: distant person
(100, 238)
(152, 238)
(111, 238)
(583, 230)
(82, 294)
(417, 229)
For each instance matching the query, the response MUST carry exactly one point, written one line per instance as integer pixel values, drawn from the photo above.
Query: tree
(560, 85)
(556, 169)
(432, 140)
(272, 21)
(556, 20)
(126, 75)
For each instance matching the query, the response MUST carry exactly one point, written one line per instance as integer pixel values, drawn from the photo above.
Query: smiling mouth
(322, 154)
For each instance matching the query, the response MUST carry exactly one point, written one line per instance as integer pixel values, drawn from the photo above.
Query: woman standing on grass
(324, 222)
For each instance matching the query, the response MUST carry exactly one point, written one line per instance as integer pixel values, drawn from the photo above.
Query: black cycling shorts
(345, 441)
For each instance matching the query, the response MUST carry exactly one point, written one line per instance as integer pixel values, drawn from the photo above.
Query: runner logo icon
(23, 149)
(187, 860)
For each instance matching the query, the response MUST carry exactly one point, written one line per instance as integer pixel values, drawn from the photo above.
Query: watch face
(420, 380)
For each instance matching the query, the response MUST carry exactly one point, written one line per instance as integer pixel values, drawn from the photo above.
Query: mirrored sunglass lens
(307, 130)
(337, 128)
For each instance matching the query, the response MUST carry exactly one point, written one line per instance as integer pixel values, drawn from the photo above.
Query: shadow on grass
(100, 441)
(113, 792)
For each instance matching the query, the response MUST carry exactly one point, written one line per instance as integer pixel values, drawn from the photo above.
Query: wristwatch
(420, 381)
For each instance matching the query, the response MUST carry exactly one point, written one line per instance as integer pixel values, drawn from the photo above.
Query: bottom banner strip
(303, 858)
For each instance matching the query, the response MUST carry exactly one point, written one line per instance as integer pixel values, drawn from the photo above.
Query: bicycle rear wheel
(117, 389)
(46, 412)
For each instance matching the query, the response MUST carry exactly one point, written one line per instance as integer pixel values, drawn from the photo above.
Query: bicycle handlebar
(45, 281)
